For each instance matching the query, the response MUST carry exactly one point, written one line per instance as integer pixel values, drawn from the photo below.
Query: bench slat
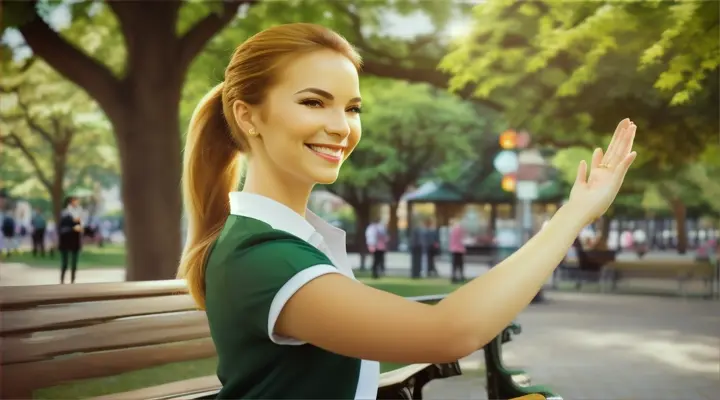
(79, 314)
(133, 332)
(15, 297)
(168, 390)
(43, 374)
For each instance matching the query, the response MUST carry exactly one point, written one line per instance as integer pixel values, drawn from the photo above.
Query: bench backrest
(53, 334)
(669, 268)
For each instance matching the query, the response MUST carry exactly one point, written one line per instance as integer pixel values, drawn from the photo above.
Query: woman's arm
(347, 317)
(344, 316)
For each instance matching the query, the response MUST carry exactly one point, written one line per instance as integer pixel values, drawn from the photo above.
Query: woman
(70, 237)
(457, 249)
(286, 315)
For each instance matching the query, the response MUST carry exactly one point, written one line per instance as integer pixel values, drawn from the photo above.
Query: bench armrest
(408, 382)
(501, 381)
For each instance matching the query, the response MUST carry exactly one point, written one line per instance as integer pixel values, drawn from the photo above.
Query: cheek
(355, 136)
(298, 123)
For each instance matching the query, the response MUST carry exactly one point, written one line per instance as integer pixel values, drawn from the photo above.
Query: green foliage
(566, 161)
(411, 131)
(98, 35)
(569, 71)
(52, 132)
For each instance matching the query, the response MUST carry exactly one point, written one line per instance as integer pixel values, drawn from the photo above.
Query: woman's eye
(312, 103)
(355, 109)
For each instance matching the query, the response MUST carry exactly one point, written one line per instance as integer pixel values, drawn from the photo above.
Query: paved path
(587, 346)
(15, 274)
(398, 264)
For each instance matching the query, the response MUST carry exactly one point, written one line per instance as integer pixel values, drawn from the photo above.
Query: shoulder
(255, 269)
(252, 250)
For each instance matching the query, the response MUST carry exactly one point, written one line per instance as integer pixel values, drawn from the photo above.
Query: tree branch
(71, 62)
(356, 28)
(12, 140)
(195, 39)
(424, 75)
(34, 127)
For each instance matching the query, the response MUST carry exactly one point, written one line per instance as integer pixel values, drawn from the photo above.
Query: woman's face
(309, 122)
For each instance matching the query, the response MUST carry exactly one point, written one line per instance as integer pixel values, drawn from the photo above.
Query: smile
(332, 154)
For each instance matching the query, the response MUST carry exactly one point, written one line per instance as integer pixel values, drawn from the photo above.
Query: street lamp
(508, 139)
(531, 172)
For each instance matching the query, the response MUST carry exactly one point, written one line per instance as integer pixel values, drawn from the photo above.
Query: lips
(330, 151)
(333, 154)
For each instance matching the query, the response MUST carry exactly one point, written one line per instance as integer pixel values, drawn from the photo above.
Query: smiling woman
(286, 314)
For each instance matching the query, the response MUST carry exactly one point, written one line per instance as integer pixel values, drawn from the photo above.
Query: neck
(266, 181)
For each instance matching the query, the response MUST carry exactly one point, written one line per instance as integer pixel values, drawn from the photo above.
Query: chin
(326, 178)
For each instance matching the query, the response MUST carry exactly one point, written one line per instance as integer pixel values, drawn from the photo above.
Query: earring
(252, 132)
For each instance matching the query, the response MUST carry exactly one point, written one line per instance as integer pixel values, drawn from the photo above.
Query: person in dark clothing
(432, 247)
(70, 231)
(8, 232)
(424, 245)
(416, 251)
(39, 224)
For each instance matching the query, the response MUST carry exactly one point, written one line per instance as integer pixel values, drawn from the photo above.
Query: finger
(631, 140)
(596, 158)
(624, 166)
(613, 157)
(626, 144)
(613, 142)
(581, 177)
(622, 146)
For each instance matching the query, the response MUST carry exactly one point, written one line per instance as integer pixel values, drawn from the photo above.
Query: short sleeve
(266, 275)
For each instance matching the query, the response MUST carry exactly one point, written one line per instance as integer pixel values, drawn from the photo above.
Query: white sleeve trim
(287, 291)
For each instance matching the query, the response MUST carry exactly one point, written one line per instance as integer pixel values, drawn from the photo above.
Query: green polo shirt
(264, 254)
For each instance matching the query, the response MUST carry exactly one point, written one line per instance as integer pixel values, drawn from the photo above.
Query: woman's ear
(243, 114)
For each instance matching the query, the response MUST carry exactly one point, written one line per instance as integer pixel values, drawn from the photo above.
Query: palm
(598, 190)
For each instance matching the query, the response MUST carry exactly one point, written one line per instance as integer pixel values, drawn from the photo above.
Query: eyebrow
(326, 95)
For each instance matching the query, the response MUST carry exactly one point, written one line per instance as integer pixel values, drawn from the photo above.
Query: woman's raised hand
(593, 194)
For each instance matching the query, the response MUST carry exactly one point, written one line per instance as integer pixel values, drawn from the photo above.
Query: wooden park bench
(682, 271)
(56, 334)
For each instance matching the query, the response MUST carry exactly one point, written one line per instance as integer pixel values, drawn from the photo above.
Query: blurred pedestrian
(457, 250)
(70, 230)
(39, 226)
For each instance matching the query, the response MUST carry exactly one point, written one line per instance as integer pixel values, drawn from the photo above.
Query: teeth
(326, 150)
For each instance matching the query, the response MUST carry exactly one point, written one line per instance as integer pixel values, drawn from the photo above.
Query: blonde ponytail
(210, 172)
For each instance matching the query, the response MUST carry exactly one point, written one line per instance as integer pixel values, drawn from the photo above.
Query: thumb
(581, 177)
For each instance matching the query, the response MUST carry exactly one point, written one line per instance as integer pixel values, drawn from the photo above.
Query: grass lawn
(192, 369)
(109, 256)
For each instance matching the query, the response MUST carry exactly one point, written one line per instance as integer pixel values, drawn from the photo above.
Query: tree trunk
(362, 220)
(57, 186)
(393, 226)
(601, 242)
(150, 155)
(680, 213)
(57, 195)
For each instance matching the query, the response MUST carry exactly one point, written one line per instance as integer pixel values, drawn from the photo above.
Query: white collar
(281, 217)
(311, 229)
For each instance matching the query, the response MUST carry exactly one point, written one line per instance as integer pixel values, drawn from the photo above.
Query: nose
(338, 124)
